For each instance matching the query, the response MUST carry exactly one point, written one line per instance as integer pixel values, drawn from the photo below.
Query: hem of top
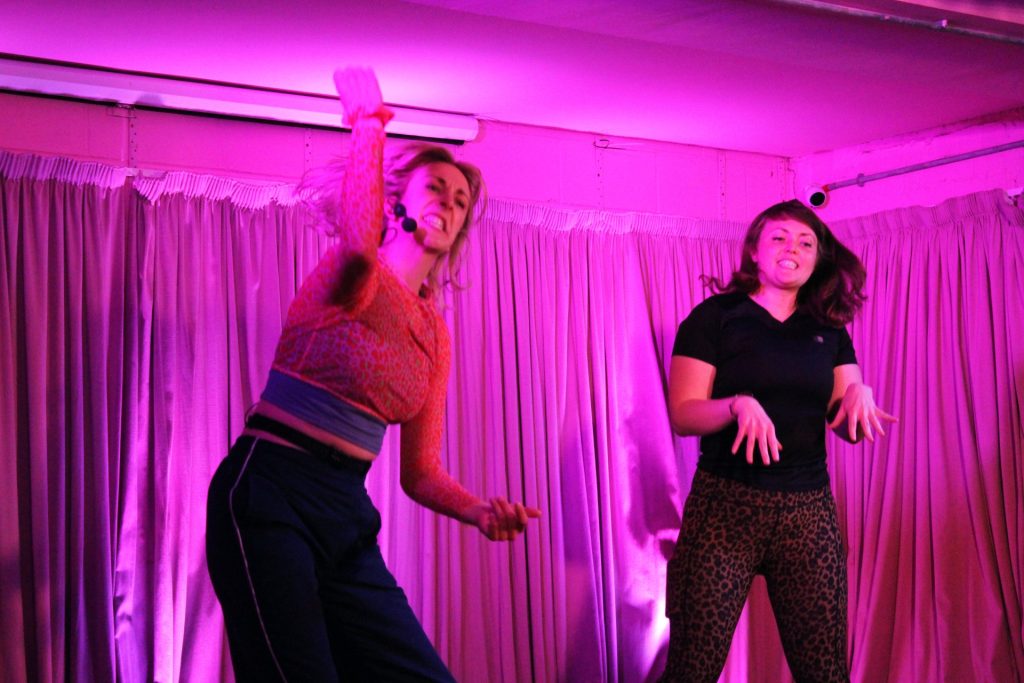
(358, 406)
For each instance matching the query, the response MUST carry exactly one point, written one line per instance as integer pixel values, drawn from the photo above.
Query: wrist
(733, 407)
(474, 513)
(858, 388)
(379, 116)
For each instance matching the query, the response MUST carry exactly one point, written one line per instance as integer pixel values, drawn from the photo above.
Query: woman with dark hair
(291, 533)
(764, 366)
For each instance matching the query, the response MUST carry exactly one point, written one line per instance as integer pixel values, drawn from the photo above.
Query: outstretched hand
(861, 415)
(754, 425)
(500, 520)
(360, 95)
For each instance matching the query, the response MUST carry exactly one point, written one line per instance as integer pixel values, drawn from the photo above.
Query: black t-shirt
(787, 366)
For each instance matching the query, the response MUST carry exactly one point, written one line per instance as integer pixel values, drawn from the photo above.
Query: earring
(408, 224)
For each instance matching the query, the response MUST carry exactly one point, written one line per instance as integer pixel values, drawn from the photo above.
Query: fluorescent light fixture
(210, 98)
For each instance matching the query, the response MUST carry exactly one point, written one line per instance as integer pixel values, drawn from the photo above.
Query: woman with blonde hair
(291, 532)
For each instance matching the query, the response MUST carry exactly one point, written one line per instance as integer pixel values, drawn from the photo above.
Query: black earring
(408, 224)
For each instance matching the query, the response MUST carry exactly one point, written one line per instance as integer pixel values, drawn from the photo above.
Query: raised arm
(362, 192)
(852, 410)
(693, 412)
(358, 209)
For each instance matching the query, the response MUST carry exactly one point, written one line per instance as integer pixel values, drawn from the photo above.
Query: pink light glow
(715, 77)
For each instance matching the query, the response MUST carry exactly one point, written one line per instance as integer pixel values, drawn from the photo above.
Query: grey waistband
(324, 410)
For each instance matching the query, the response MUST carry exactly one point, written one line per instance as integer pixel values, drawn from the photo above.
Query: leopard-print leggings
(731, 532)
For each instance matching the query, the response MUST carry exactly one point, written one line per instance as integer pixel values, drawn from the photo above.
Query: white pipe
(940, 25)
(862, 179)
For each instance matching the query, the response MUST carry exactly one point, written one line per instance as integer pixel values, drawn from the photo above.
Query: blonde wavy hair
(320, 193)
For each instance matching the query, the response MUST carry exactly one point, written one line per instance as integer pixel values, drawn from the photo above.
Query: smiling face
(786, 253)
(437, 196)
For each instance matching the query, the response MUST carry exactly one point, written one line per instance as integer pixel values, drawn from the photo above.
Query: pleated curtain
(138, 320)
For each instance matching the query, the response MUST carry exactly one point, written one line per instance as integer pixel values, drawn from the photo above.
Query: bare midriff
(284, 417)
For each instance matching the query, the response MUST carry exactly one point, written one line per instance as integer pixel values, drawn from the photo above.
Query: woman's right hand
(500, 520)
(360, 96)
(754, 425)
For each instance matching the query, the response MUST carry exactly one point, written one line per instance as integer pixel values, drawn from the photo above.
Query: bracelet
(381, 114)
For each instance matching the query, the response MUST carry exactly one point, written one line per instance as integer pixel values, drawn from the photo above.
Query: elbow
(681, 425)
(421, 487)
(692, 418)
(410, 485)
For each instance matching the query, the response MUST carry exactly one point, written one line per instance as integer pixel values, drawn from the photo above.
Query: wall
(540, 165)
(526, 163)
(583, 169)
(1003, 170)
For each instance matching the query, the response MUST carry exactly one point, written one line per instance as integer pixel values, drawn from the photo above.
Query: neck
(779, 302)
(409, 261)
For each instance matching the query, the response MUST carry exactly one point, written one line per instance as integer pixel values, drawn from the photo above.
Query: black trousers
(732, 531)
(291, 544)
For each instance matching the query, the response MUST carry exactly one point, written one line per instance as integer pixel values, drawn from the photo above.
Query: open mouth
(788, 264)
(434, 221)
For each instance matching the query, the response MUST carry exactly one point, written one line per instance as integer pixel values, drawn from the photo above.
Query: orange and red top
(360, 350)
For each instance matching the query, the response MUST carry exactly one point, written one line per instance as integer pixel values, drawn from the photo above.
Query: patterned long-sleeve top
(360, 350)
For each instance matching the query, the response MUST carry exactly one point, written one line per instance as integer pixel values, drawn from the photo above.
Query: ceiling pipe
(943, 25)
(817, 195)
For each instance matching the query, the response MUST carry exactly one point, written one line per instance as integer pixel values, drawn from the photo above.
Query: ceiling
(785, 77)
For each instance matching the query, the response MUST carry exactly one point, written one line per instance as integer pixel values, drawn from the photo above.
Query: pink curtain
(934, 515)
(138, 319)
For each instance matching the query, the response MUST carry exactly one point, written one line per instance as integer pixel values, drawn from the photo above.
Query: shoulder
(716, 305)
(444, 337)
(432, 311)
(724, 302)
(728, 301)
(442, 343)
(835, 338)
(836, 331)
(698, 334)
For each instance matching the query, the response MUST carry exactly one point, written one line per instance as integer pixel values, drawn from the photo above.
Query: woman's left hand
(500, 520)
(861, 415)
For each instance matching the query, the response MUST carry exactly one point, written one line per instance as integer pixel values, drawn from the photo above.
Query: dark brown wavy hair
(835, 291)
